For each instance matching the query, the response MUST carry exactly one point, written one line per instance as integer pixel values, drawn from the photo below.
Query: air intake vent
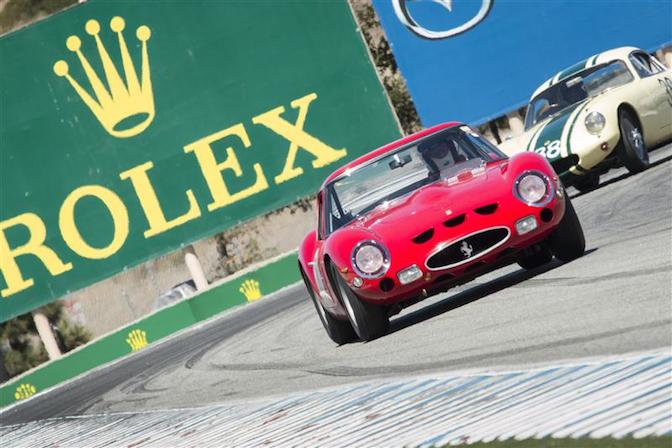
(386, 284)
(506, 252)
(444, 278)
(546, 214)
(456, 221)
(486, 209)
(424, 236)
(468, 248)
(563, 164)
(475, 266)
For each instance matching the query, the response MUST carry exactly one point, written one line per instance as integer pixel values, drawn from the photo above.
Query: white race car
(610, 108)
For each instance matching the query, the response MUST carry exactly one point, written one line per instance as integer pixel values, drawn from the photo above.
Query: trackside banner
(474, 60)
(131, 128)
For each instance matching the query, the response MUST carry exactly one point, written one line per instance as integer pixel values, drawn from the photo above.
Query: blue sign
(474, 60)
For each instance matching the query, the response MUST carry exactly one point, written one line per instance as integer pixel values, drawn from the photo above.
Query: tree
(386, 65)
(20, 344)
(17, 13)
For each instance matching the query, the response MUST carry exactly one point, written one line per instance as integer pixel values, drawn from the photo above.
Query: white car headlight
(533, 188)
(370, 259)
(595, 122)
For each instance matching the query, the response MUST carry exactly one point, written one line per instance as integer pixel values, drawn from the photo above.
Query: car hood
(431, 205)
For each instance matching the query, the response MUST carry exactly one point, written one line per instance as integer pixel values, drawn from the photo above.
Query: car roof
(600, 58)
(389, 148)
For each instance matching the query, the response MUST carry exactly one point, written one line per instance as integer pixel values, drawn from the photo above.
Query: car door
(655, 106)
(326, 210)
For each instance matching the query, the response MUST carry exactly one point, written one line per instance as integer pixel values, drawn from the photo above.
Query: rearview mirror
(398, 162)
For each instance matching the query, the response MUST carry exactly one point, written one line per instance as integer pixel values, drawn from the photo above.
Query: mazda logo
(404, 15)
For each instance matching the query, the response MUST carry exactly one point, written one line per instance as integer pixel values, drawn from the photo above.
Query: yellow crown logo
(124, 109)
(250, 289)
(137, 339)
(24, 391)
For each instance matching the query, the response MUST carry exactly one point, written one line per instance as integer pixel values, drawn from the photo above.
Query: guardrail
(246, 286)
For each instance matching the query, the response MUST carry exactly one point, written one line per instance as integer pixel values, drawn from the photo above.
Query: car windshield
(576, 88)
(441, 155)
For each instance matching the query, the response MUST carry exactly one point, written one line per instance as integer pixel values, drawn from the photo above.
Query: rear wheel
(632, 151)
(368, 320)
(340, 331)
(535, 256)
(567, 241)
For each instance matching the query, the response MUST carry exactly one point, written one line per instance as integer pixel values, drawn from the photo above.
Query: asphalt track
(615, 300)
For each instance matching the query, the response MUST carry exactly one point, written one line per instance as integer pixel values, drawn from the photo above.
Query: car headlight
(595, 122)
(370, 259)
(533, 188)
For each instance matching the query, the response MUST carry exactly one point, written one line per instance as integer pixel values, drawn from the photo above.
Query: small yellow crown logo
(24, 391)
(137, 339)
(250, 289)
(124, 109)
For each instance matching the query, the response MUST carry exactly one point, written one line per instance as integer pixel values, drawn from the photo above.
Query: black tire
(535, 256)
(368, 320)
(567, 241)
(632, 150)
(340, 331)
(587, 182)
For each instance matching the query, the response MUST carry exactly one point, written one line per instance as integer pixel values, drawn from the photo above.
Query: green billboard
(131, 128)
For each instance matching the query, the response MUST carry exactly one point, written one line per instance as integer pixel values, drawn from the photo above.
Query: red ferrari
(423, 214)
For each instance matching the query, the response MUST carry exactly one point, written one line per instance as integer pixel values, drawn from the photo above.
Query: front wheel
(632, 151)
(535, 256)
(340, 331)
(368, 320)
(567, 241)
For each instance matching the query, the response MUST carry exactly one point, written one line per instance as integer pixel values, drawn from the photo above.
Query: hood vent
(424, 236)
(486, 209)
(456, 221)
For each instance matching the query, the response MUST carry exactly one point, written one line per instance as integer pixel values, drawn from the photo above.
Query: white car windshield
(441, 155)
(576, 88)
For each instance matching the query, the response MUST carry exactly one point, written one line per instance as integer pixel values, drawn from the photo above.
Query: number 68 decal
(550, 150)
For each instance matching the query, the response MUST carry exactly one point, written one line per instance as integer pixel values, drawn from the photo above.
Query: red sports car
(425, 213)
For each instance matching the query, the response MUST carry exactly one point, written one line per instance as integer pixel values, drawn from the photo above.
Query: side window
(320, 217)
(540, 106)
(644, 64)
(487, 147)
(461, 153)
(333, 215)
(331, 218)
(656, 63)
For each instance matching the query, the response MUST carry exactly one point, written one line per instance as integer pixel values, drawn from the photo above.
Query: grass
(647, 442)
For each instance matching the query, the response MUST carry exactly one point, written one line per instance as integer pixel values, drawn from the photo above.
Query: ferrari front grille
(466, 249)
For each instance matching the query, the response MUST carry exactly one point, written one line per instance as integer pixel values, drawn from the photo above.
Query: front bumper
(586, 153)
(389, 290)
